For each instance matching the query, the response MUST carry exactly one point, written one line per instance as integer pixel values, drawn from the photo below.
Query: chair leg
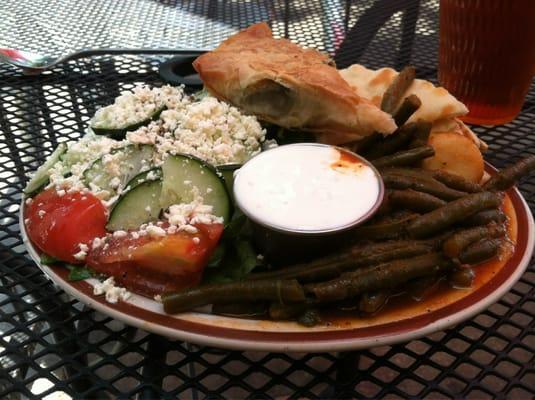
(410, 17)
(359, 37)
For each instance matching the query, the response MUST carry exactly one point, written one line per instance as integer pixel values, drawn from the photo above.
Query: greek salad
(140, 198)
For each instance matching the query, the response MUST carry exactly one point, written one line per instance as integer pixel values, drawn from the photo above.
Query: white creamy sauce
(302, 187)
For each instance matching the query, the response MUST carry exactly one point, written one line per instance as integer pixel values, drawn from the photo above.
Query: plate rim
(302, 341)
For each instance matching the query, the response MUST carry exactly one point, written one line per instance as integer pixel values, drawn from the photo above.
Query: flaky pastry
(285, 84)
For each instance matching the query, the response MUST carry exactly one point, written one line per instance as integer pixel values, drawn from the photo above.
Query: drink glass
(487, 56)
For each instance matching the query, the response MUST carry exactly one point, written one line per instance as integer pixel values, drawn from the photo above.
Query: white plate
(388, 327)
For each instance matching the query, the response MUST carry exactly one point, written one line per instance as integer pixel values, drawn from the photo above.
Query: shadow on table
(356, 40)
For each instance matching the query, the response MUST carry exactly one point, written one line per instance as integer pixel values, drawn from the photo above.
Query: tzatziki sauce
(307, 187)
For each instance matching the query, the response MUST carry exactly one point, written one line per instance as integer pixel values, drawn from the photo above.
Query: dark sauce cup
(283, 246)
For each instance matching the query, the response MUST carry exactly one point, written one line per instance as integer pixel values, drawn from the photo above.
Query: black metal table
(52, 345)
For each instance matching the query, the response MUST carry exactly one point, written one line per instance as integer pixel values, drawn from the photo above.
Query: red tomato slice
(58, 224)
(151, 266)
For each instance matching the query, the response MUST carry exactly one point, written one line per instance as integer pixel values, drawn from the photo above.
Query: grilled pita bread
(437, 102)
(282, 83)
(438, 105)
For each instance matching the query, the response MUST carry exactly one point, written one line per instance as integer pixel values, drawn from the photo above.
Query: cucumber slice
(103, 124)
(40, 178)
(183, 172)
(129, 163)
(150, 175)
(136, 207)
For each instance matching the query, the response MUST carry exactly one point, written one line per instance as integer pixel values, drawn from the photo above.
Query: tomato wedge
(154, 265)
(57, 225)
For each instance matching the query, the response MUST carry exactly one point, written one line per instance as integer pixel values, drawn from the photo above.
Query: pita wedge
(437, 102)
(284, 84)
(438, 105)
(457, 148)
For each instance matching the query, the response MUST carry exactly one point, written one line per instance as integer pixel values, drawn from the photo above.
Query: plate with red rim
(398, 322)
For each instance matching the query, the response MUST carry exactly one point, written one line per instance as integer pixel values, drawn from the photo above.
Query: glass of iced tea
(487, 56)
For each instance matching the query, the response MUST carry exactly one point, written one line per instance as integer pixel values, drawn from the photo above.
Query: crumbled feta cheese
(110, 202)
(152, 176)
(270, 144)
(115, 182)
(155, 231)
(120, 234)
(209, 129)
(41, 213)
(112, 292)
(82, 253)
(189, 229)
(98, 242)
(137, 105)
(79, 156)
(28, 201)
(196, 240)
(187, 214)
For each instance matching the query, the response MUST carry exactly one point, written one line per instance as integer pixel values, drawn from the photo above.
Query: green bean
(242, 310)
(328, 272)
(406, 109)
(452, 181)
(281, 312)
(397, 89)
(421, 135)
(349, 259)
(407, 157)
(384, 276)
(391, 99)
(393, 142)
(233, 292)
(457, 242)
(452, 213)
(424, 185)
(362, 145)
(480, 251)
(309, 318)
(437, 241)
(356, 251)
(385, 207)
(371, 302)
(408, 172)
(485, 217)
(456, 182)
(415, 201)
(383, 230)
(462, 278)
(507, 177)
